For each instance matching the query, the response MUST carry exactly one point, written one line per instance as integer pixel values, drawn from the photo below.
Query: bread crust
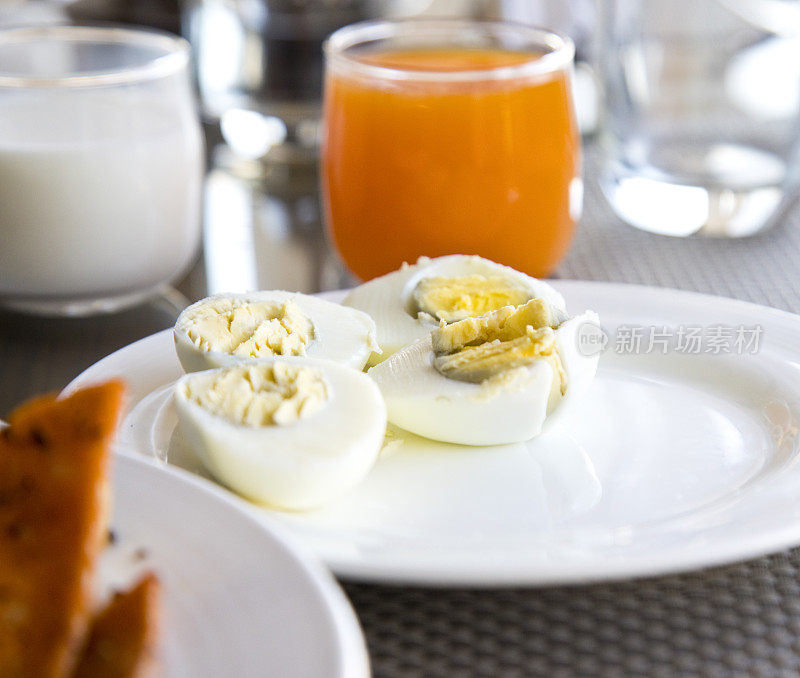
(54, 507)
(123, 641)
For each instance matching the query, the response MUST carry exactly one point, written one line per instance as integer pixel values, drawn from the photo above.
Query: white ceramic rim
(353, 657)
(175, 55)
(560, 50)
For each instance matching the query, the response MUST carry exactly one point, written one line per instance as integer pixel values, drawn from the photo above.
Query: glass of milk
(101, 162)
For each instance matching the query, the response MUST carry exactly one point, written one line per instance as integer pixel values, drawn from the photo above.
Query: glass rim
(560, 55)
(174, 58)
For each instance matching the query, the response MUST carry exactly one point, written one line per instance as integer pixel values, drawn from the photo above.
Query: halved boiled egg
(293, 433)
(226, 329)
(488, 380)
(407, 304)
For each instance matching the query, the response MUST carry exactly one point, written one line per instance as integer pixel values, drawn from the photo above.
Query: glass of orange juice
(449, 137)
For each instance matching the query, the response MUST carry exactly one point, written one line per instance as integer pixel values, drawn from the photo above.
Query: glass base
(76, 308)
(687, 203)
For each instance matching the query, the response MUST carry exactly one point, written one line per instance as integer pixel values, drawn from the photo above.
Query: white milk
(113, 213)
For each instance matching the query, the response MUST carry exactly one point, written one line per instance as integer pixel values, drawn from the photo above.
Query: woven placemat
(764, 269)
(740, 620)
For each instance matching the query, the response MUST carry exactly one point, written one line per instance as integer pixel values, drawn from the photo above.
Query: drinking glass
(449, 137)
(100, 167)
(700, 134)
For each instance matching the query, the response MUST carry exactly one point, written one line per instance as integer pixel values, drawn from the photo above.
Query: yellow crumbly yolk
(479, 349)
(261, 395)
(250, 329)
(454, 299)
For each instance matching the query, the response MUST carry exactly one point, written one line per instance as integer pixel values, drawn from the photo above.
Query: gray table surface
(743, 619)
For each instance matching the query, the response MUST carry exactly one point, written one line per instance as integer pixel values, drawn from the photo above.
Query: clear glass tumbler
(449, 137)
(101, 163)
(701, 126)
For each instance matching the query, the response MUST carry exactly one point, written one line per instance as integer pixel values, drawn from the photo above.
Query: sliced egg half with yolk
(226, 329)
(407, 304)
(489, 380)
(292, 433)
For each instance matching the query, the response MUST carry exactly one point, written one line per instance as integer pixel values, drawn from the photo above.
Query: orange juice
(423, 166)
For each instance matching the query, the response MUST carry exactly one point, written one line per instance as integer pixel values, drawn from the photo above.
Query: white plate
(670, 462)
(239, 600)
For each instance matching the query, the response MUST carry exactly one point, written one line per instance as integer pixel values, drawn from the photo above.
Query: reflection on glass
(265, 233)
(703, 109)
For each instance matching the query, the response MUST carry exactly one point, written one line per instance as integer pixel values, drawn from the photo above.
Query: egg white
(421, 400)
(389, 299)
(343, 335)
(297, 466)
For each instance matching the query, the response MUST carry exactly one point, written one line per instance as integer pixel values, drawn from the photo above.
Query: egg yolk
(454, 299)
(250, 329)
(478, 349)
(260, 395)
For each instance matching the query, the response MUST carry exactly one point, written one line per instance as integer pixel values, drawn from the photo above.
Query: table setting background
(741, 619)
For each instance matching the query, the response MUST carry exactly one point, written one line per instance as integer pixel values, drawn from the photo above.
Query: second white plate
(675, 459)
(239, 600)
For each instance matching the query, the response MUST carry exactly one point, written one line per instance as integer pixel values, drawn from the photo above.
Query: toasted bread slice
(54, 497)
(123, 641)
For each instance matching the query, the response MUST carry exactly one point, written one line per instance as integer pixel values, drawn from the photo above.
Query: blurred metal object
(263, 228)
(161, 14)
(259, 70)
